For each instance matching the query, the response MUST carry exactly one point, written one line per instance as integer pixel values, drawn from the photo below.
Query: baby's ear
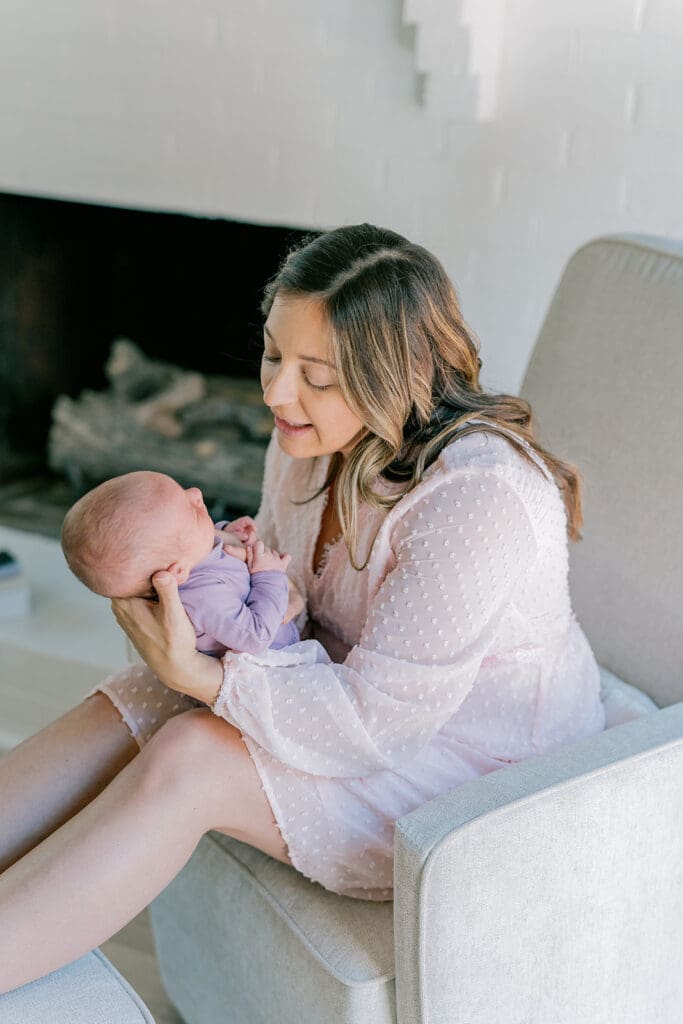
(180, 572)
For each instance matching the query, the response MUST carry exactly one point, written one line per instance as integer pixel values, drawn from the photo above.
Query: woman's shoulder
(491, 451)
(481, 455)
(487, 449)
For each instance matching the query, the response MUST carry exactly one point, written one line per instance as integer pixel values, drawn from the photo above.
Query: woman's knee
(201, 765)
(190, 751)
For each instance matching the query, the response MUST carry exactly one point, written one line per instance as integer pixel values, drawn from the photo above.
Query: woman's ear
(179, 571)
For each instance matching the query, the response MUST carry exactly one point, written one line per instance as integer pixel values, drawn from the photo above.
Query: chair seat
(88, 991)
(622, 701)
(235, 915)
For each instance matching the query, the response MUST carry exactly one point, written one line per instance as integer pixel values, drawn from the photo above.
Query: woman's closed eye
(316, 387)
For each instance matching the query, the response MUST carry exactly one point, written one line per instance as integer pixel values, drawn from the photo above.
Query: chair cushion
(622, 701)
(88, 991)
(235, 915)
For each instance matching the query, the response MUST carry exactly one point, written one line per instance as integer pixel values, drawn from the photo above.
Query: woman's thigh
(204, 757)
(210, 751)
(142, 701)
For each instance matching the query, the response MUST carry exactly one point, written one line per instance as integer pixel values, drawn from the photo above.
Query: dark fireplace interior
(76, 276)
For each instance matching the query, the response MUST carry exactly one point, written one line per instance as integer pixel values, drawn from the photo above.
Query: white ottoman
(88, 991)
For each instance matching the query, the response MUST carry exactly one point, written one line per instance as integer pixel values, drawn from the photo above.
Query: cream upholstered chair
(548, 892)
(88, 991)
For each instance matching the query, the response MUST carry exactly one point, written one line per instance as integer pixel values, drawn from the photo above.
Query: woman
(428, 532)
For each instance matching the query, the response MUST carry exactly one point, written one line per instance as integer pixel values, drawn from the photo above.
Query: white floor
(49, 659)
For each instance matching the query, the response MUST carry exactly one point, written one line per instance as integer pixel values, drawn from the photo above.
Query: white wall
(313, 113)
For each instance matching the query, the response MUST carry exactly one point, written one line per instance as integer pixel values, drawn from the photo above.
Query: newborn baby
(119, 534)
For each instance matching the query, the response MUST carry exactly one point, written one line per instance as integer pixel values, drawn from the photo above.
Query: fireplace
(73, 278)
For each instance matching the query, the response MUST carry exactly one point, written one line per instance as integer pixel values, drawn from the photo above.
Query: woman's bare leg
(49, 777)
(94, 874)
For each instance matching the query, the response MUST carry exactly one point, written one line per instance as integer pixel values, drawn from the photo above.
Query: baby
(122, 532)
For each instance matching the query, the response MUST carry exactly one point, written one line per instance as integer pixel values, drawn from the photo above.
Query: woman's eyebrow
(308, 359)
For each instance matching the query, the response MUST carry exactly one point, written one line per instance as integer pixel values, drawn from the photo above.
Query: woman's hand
(165, 639)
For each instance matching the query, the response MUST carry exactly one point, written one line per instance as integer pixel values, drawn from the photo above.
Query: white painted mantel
(501, 134)
(458, 49)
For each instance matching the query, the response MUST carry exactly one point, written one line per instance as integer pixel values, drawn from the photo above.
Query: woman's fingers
(169, 603)
(122, 608)
(165, 585)
(115, 605)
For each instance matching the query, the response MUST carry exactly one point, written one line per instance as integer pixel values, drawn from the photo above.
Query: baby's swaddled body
(233, 609)
(124, 531)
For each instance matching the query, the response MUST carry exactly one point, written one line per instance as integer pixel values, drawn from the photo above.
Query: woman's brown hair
(408, 366)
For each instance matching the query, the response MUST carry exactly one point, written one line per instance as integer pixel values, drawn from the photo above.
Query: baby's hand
(260, 558)
(237, 535)
(244, 528)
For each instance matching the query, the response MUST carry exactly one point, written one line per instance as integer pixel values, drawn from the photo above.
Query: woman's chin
(298, 446)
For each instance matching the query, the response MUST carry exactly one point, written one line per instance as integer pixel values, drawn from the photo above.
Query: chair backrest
(605, 381)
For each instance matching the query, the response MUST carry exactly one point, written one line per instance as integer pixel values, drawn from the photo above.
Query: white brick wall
(309, 114)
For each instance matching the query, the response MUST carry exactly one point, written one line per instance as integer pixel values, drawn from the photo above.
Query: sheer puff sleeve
(459, 553)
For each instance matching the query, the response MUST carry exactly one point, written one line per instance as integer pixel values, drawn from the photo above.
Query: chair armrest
(549, 890)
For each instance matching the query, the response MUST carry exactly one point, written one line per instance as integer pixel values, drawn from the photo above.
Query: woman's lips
(290, 430)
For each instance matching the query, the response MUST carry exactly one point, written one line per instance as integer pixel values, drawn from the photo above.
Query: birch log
(205, 431)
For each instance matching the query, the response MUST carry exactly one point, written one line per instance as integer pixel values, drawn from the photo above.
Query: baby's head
(119, 534)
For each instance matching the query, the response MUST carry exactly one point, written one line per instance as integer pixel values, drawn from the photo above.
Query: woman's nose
(280, 389)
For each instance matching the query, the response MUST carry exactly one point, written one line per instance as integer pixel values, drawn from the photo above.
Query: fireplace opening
(74, 277)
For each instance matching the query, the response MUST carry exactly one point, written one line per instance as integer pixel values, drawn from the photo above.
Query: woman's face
(299, 383)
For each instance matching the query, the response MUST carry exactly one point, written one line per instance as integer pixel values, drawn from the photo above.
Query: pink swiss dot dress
(463, 655)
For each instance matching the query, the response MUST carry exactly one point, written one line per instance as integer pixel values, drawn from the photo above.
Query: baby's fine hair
(112, 521)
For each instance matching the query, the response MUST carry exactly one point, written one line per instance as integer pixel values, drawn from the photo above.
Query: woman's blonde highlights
(408, 368)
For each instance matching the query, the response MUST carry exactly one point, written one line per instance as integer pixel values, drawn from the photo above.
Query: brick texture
(320, 112)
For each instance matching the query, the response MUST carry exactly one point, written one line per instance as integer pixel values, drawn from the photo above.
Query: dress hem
(254, 749)
(254, 752)
(126, 716)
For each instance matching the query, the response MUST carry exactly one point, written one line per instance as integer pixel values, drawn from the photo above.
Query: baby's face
(176, 537)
